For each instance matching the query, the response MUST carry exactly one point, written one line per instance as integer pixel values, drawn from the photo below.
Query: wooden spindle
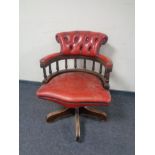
(84, 64)
(44, 71)
(75, 63)
(93, 67)
(50, 69)
(66, 64)
(106, 76)
(57, 65)
(100, 69)
(106, 79)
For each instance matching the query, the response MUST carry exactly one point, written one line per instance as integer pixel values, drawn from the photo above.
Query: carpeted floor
(114, 137)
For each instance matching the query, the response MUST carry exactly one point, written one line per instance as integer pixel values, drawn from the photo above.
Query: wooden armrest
(46, 60)
(108, 68)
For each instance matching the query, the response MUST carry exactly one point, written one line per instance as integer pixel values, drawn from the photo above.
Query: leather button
(76, 39)
(81, 47)
(89, 48)
(65, 38)
(96, 39)
(87, 39)
(71, 47)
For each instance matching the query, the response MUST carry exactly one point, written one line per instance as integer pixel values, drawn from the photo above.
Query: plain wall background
(40, 20)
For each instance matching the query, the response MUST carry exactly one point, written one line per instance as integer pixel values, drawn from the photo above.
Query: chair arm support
(108, 68)
(106, 62)
(103, 60)
(46, 60)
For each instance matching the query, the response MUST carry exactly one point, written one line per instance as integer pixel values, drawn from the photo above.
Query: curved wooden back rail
(49, 74)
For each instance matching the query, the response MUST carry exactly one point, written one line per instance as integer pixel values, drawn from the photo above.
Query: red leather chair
(77, 88)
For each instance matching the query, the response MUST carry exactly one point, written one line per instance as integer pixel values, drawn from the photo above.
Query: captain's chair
(77, 89)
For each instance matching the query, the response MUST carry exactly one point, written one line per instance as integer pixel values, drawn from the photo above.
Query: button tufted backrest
(81, 42)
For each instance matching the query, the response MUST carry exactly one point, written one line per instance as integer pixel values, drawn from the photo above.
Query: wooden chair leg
(77, 124)
(93, 112)
(71, 111)
(59, 114)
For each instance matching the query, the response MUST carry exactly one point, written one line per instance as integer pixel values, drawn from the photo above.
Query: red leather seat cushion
(75, 88)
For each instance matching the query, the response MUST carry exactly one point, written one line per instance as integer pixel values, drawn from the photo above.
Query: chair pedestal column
(77, 124)
(85, 111)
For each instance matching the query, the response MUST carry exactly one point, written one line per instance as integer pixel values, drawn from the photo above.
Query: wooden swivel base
(72, 111)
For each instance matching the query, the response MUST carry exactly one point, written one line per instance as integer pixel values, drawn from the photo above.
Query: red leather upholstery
(75, 89)
(81, 42)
